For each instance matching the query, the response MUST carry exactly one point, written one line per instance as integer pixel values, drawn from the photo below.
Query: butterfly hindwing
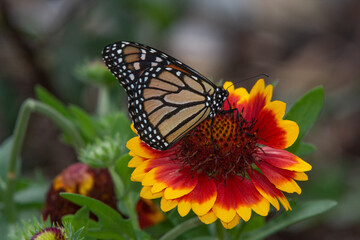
(165, 108)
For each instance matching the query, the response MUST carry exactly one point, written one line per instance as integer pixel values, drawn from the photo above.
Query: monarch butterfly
(166, 98)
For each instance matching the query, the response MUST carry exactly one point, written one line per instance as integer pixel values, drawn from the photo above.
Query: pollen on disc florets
(220, 146)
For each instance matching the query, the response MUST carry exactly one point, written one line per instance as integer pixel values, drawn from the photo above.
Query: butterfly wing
(167, 99)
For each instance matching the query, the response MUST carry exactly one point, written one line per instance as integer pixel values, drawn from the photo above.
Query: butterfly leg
(238, 118)
(231, 109)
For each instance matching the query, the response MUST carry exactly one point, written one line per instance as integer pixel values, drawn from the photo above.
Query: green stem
(132, 213)
(219, 230)
(181, 228)
(127, 198)
(17, 140)
(103, 106)
(240, 231)
(26, 109)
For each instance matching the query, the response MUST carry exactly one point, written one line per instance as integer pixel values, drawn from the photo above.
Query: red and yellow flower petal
(139, 172)
(166, 177)
(150, 180)
(259, 97)
(283, 159)
(250, 198)
(203, 196)
(229, 86)
(235, 221)
(238, 194)
(259, 88)
(184, 206)
(136, 161)
(139, 148)
(300, 176)
(208, 218)
(268, 190)
(178, 191)
(168, 204)
(179, 181)
(133, 128)
(282, 179)
(292, 132)
(158, 186)
(225, 201)
(146, 193)
(235, 95)
(272, 130)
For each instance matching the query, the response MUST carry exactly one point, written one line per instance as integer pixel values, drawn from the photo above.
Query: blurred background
(300, 44)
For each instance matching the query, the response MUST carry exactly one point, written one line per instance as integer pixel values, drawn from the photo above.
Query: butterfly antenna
(256, 76)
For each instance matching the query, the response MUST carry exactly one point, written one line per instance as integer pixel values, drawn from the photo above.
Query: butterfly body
(166, 98)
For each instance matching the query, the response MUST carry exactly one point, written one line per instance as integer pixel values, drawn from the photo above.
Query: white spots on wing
(137, 66)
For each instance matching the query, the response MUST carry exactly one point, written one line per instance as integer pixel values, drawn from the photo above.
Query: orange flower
(96, 183)
(227, 166)
(148, 213)
(81, 179)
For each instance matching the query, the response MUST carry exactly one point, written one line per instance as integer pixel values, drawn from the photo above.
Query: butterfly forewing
(167, 99)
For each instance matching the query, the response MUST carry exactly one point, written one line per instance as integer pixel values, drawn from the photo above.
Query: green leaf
(299, 213)
(111, 223)
(81, 218)
(76, 225)
(305, 112)
(84, 122)
(305, 149)
(46, 97)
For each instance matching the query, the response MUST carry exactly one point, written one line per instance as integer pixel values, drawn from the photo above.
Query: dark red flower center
(220, 146)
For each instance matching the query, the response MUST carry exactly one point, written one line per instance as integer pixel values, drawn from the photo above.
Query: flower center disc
(220, 146)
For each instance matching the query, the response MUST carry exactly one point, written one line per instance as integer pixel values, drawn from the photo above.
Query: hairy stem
(26, 109)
